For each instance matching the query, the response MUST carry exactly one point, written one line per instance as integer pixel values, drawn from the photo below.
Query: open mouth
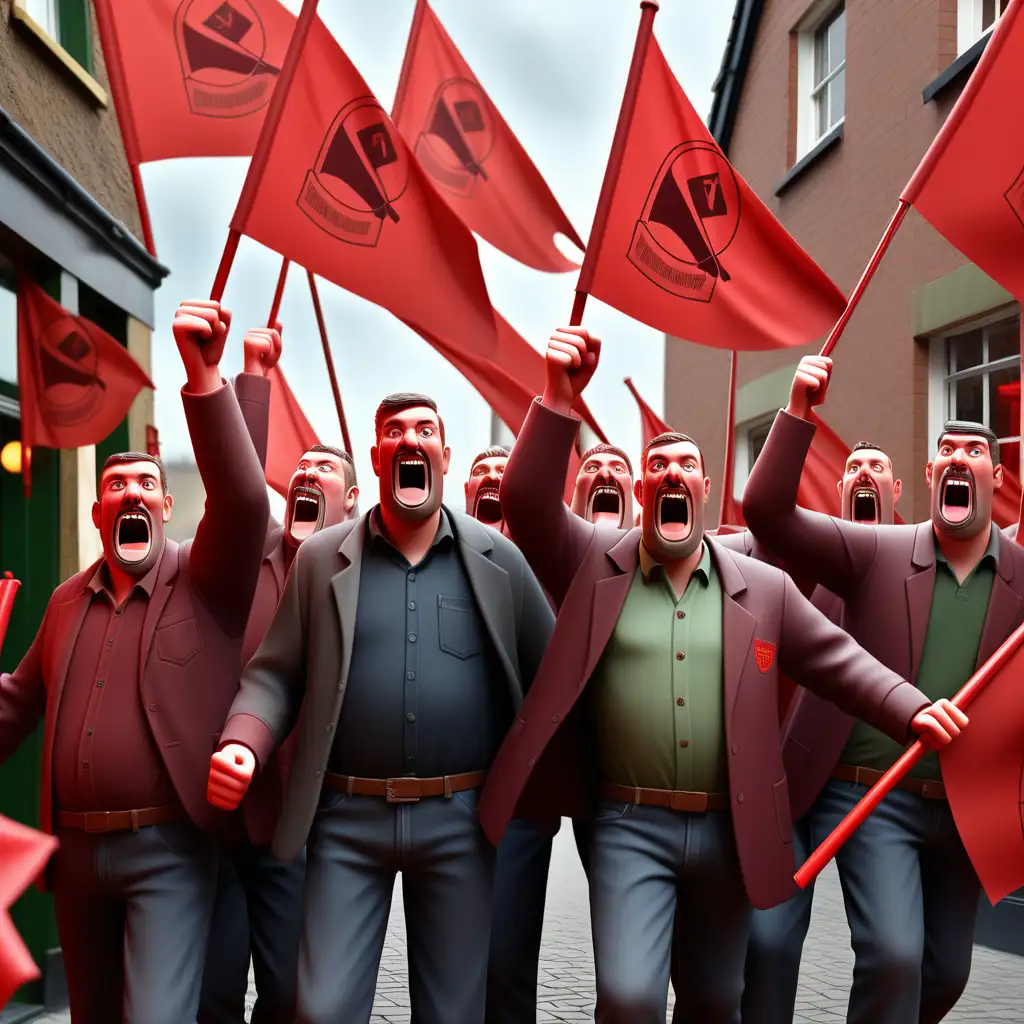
(606, 505)
(957, 501)
(673, 519)
(488, 505)
(307, 512)
(864, 505)
(133, 537)
(412, 480)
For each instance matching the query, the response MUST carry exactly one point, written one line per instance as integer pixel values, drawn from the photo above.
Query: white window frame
(45, 13)
(807, 136)
(969, 17)
(743, 461)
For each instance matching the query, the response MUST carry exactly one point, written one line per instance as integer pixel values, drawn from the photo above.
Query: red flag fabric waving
(341, 194)
(688, 248)
(23, 854)
(290, 435)
(1006, 500)
(970, 184)
(192, 77)
(76, 382)
(471, 154)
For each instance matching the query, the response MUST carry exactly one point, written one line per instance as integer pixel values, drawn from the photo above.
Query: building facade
(68, 219)
(826, 110)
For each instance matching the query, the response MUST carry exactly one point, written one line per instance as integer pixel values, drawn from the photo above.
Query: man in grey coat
(408, 638)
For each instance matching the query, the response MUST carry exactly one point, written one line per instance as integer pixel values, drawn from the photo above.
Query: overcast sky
(555, 69)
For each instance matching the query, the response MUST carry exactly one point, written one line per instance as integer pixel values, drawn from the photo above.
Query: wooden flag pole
(261, 155)
(730, 429)
(648, 9)
(970, 690)
(330, 361)
(275, 306)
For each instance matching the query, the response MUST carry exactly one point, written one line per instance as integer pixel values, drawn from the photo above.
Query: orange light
(10, 456)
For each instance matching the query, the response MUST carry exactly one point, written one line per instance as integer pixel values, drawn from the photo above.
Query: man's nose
(310, 474)
(674, 475)
(409, 438)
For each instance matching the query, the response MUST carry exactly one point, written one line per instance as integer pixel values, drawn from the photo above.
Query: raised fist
(809, 385)
(231, 772)
(200, 331)
(569, 363)
(262, 349)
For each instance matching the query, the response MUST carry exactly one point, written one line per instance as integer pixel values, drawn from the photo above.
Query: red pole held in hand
(8, 588)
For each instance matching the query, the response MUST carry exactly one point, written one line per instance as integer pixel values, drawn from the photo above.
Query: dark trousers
(133, 913)
(257, 914)
(520, 889)
(356, 847)
(648, 864)
(911, 899)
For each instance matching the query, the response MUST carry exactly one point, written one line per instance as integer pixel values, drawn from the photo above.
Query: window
(983, 382)
(66, 22)
(756, 437)
(8, 325)
(974, 18)
(821, 76)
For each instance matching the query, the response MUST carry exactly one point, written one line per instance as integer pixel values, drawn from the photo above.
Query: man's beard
(415, 486)
(958, 509)
(136, 541)
(676, 525)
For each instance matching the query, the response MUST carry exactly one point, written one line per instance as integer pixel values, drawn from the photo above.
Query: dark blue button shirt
(426, 695)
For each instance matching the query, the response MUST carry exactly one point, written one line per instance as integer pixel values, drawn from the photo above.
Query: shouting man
(482, 501)
(408, 637)
(664, 662)
(932, 601)
(133, 669)
(604, 488)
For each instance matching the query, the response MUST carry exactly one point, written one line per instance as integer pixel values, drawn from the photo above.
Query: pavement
(995, 994)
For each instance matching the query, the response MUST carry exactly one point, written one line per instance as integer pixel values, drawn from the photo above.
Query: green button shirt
(948, 660)
(657, 689)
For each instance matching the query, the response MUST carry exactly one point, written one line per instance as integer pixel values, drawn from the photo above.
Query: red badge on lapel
(764, 653)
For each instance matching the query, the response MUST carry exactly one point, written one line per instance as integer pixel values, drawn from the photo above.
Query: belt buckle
(389, 794)
(105, 827)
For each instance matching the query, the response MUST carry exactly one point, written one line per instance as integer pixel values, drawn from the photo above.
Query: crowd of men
(249, 735)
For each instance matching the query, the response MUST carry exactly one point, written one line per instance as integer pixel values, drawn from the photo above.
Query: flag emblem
(457, 136)
(1015, 197)
(67, 362)
(690, 217)
(361, 171)
(221, 45)
(764, 654)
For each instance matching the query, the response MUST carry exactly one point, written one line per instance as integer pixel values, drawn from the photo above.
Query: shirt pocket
(179, 642)
(458, 627)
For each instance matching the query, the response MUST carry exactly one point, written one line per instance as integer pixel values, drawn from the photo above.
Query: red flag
(192, 77)
(970, 184)
(289, 435)
(1006, 500)
(76, 382)
(471, 154)
(682, 243)
(334, 187)
(23, 854)
(651, 424)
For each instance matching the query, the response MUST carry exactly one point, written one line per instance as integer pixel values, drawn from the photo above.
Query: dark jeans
(911, 899)
(648, 864)
(356, 847)
(258, 913)
(133, 913)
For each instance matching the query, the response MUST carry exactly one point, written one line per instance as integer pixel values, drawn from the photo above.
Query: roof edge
(729, 84)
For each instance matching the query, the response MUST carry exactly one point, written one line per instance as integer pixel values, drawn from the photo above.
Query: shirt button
(88, 731)
(85, 764)
(531, 762)
(412, 760)
(110, 642)
(556, 718)
(680, 615)
(684, 743)
(410, 675)
(735, 749)
(680, 655)
(412, 606)
(410, 717)
(118, 612)
(680, 701)
(154, 707)
(99, 682)
(412, 577)
(412, 638)
(316, 775)
(330, 727)
(739, 798)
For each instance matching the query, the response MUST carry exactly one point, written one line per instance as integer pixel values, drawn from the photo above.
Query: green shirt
(657, 689)
(948, 659)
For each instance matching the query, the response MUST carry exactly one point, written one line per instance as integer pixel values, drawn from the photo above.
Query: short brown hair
(123, 458)
(496, 451)
(669, 437)
(403, 400)
(971, 427)
(340, 453)
(610, 449)
(863, 446)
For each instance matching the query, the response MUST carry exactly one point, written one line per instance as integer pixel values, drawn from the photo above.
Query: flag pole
(1020, 443)
(261, 154)
(330, 361)
(275, 306)
(730, 429)
(648, 9)
(119, 89)
(814, 864)
(8, 589)
(865, 278)
(402, 88)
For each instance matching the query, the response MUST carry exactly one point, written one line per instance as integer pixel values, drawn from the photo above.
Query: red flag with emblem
(76, 383)
(192, 77)
(340, 193)
(290, 435)
(471, 154)
(685, 245)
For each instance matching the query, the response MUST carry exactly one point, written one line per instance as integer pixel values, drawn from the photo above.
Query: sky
(555, 69)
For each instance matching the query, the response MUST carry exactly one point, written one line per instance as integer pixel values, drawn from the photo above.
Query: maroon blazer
(192, 633)
(547, 764)
(884, 575)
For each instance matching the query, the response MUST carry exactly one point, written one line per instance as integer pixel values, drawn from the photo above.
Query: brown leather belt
(674, 799)
(119, 821)
(404, 790)
(928, 788)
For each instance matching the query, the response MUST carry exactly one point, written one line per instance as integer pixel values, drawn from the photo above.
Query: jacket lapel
(919, 587)
(161, 592)
(610, 595)
(70, 615)
(1004, 605)
(738, 624)
(345, 585)
(275, 558)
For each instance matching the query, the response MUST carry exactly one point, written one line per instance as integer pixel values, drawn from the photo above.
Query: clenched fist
(570, 361)
(262, 349)
(231, 772)
(809, 385)
(200, 331)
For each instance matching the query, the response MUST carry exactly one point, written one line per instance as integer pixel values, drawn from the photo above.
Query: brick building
(826, 110)
(68, 219)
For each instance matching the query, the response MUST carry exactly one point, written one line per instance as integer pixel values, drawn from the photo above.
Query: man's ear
(168, 505)
(638, 492)
(707, 489)
(375, 460)
(465, 490)
(96, 514)
(928, 473)
(351, 497)
(839, 487)
(997, 477)
(897, 490)
(445, 459)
